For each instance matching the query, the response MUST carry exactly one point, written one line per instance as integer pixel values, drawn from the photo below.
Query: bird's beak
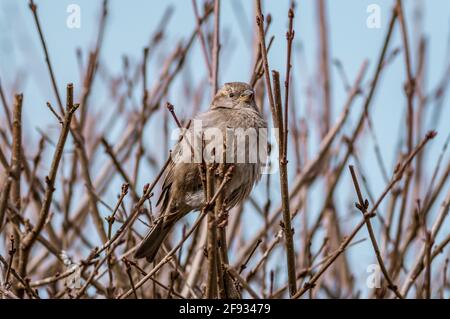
(246, 96)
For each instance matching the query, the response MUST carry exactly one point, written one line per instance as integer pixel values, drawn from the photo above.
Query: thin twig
(397, 176)
(215, 49)
(201, 38)
(363, 206)
(50, 180)
(277, 118)
(33, 8)
(285, 205)
(5, 107)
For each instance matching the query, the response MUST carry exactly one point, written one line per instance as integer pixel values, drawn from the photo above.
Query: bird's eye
(231, 95)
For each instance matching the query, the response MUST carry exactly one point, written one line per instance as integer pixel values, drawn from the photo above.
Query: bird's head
(235, 95)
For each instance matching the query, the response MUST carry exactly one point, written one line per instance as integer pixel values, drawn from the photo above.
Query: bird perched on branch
(233, 125)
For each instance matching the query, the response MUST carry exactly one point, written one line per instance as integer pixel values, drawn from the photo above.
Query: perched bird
(233, 108)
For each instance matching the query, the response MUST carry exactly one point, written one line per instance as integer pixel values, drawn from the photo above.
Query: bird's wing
(207, 119)
(165, 189)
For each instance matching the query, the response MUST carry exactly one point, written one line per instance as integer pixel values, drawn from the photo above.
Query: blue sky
(130, 24)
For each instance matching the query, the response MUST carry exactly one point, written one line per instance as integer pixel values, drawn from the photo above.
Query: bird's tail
(149, 246)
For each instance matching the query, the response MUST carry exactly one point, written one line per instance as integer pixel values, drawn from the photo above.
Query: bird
(232, 108)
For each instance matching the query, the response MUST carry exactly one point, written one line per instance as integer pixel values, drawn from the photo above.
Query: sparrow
(232, 109)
